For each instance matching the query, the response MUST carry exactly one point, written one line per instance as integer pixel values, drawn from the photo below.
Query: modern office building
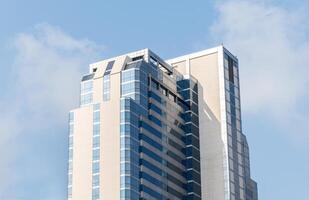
(153, 129)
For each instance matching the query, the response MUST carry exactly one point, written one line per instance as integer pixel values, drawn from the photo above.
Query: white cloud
(44, 86)
(273, 49)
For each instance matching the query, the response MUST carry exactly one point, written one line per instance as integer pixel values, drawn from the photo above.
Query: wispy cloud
(273, 46)
(43, 82)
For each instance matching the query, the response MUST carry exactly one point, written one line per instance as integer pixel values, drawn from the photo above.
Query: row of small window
(169, 94)
(156, 85)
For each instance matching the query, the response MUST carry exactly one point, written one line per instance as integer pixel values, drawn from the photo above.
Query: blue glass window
(96, 154)
(96, 142)
(95, 167)
(95, 193)
(86, 86)
(96, 180)
(86, 99)
(96, 129)
(96, 116)
(106, 88)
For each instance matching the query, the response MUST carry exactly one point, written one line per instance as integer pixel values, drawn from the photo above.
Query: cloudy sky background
(46, 47)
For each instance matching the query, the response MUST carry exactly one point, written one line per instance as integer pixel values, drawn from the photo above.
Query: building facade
(153, 129)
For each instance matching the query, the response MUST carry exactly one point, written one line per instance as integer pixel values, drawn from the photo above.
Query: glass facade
(159, 134)
(239, 167)
(86, 92)
(96, 153)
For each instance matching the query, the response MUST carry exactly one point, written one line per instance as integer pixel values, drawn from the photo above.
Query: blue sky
(46, 46)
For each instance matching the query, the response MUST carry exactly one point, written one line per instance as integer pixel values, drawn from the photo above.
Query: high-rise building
(153, 129)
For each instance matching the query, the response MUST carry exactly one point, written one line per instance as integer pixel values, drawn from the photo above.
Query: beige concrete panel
(120, 63)
(97, 90)
(110, 143)
(205, 69)
(180, 66)
(100, 66)
(82, 154)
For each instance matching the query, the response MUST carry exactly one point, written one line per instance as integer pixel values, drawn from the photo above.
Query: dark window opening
(231, 70)
(138, 58)
(109, 67)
